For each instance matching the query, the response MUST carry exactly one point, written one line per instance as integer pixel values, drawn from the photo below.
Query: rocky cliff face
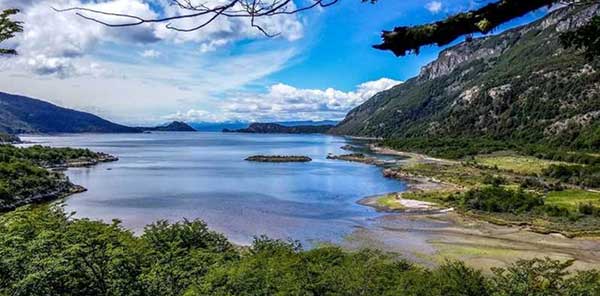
(480, 49)
(520, 84)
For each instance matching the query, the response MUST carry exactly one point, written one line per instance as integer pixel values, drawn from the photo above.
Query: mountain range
(20, 114)
(520, 85)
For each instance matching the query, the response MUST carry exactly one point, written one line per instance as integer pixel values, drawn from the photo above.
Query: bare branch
(252, 9)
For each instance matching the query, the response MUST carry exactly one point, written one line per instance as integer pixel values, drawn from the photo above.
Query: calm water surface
(203, 175)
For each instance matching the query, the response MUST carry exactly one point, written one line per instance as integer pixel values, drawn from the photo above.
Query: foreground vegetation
(45, 252)
(24, 177)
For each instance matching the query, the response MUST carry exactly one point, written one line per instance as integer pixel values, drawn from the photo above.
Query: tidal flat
(421, 225)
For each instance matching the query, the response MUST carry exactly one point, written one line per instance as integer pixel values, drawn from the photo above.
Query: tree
(8, 29)
(401, 40)
(586, 37)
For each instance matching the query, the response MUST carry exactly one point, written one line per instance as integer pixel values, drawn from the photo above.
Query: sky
(319, 66)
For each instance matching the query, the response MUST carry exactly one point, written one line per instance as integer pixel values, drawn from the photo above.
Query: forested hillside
(519, 86)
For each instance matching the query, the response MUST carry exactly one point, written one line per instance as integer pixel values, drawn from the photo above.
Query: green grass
(572, 198)
(389, 201)
(525, 165)
(435, 196)
(450, 173)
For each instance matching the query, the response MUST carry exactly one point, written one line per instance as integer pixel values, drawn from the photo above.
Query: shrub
(498, 199)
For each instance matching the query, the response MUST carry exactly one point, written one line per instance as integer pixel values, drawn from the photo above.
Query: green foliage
(587, 176)
(403, 40)
(23, 180)
(464, 147)
(8, 28)
(494, 180)
(500, 200)
(447, 147)
(585, 38)
(43, 251)
(44, 156)
(20, 180)
(532, 278)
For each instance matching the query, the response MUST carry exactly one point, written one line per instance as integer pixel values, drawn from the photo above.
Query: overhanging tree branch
(8, 29)
(401, 41)
(404, 40)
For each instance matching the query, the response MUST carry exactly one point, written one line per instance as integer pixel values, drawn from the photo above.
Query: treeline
(499, 199)
(21, 180)
(582, 175)
(45, 252)
(461, 147)
(42, 155)
(448, 147)
(24, 180)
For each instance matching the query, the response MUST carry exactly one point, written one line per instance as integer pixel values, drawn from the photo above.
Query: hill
(518, 86)
(274, 128)
(19, 114)
(175, 126)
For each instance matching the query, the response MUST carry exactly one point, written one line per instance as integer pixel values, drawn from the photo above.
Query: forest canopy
(47, 252)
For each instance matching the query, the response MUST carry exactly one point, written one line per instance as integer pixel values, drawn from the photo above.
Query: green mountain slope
(19, 114)
(520, 85)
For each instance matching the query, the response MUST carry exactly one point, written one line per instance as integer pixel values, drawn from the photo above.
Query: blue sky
(320, 66)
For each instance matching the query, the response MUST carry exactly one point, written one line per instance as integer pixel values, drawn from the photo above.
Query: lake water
(203, 175)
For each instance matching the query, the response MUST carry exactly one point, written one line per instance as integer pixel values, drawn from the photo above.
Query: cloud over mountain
(285, 102)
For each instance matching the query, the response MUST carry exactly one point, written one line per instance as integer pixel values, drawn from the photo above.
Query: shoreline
(67, 188)
(428, 233)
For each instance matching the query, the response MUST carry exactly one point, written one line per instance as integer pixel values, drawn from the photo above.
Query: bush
(588, 176)
(588, 209)
(46, 252)
(500, 200)
(493, 180)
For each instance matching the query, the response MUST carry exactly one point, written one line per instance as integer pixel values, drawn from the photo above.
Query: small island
(279, 158)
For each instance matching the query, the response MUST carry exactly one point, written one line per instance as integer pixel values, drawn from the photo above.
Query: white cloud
(55, 43)
(141, 93)
(285, 102)
(150, 53)
(434, 6)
